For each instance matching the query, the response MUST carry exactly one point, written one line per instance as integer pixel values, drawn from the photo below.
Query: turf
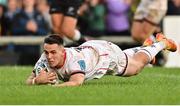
(153, 86)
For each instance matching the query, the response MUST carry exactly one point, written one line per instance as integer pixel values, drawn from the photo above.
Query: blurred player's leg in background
(64, 19)
(147, 18)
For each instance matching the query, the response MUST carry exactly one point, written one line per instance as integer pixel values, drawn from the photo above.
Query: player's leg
(57, 19)
(69, 28)
(56, 12)
(142, 30)
(148, 42)
(136, 30)
(137, 25)
(146, 54)
(147, 16)
(131, 51)
(69, 25)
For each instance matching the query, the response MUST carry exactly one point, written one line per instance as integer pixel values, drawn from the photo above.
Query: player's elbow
(134, 68)
(77, 79)
(77, 83)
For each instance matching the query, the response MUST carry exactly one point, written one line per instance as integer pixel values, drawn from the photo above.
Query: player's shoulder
(74, 54)
(43, 56)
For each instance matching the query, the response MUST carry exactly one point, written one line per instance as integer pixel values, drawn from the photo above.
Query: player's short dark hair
(54, 39)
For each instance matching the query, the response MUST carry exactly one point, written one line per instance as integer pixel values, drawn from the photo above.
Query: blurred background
(21, 33)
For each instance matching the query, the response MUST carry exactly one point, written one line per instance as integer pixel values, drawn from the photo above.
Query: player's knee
(133, 68)
(140, 65)
(135, 34)
(131, 72)
(67, 31)
(138, 37)
(56, 29)
(136, 69)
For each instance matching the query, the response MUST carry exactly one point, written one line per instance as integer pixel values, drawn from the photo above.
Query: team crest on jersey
(82, 64)
(78, 49)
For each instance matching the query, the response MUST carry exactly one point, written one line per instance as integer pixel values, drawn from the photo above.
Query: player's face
(54, 54)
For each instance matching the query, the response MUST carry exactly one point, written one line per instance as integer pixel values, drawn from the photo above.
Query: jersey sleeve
(40, 64)
(77, 66)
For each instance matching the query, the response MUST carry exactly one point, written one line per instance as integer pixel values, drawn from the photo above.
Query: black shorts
(66, 7)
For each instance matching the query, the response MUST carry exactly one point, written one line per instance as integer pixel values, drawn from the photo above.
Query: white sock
(130, 52)
(152, 38)
(77, 35)
(153, 50)
(66, 40)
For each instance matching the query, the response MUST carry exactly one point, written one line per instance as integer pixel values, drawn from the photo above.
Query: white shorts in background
(151, 10)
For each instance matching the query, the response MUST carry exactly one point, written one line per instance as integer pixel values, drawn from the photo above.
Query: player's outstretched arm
(75, 80)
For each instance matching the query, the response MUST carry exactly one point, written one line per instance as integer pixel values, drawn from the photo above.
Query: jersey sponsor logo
(153, 46)
(40, 66)
(135, 50)
(78, 49)
(82, 64)
(71, 10)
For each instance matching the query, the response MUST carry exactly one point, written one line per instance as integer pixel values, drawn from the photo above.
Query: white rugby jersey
(93, 58)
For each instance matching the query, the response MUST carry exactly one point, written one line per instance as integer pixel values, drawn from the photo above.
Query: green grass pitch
(152, 86)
